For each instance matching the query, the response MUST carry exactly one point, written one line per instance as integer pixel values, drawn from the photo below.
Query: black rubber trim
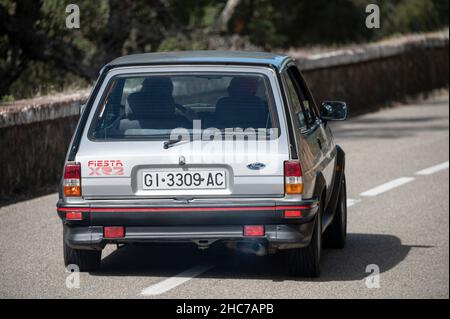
(113, 66)
(195, 218)
(177, 218)
(169, 203)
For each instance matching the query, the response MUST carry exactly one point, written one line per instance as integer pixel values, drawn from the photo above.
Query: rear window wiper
(169, 143)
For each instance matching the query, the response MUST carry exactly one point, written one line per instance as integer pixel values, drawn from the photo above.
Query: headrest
(146, 105)
(155, 100)
(243, 85)
(157, 84)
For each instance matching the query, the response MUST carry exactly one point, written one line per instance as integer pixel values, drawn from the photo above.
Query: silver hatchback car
(207, 147)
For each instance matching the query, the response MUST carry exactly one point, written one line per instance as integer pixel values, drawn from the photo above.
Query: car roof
(202, 57)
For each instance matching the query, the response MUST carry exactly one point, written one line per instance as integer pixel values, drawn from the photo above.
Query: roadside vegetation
(39, 55)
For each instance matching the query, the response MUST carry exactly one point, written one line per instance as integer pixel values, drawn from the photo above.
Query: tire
(86, 260)
(336, 234)
(305, 262)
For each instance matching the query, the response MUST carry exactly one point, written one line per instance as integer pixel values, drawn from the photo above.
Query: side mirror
(333, 111)
(82, 107)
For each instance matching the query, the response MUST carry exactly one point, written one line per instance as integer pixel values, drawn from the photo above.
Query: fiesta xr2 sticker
(105, 168)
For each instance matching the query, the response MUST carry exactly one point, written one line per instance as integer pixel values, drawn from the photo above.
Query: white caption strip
(433, 169)
(387, 186)
(172, 282)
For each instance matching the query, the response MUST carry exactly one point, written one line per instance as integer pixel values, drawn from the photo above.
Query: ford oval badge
(256, 166)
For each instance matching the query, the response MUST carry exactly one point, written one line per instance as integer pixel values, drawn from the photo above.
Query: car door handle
(320, 143)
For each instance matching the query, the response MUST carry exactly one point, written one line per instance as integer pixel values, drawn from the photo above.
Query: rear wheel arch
(340, 158)
(85, 260)
(335, 235)
(339, 173)
(320, 187)
(306, 261)
(320, 193)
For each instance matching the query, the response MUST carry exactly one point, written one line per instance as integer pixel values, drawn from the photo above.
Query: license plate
(215, 179)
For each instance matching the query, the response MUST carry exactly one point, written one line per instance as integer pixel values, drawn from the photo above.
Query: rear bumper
(189, 223)
(276, 236)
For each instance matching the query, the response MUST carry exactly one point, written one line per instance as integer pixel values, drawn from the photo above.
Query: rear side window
(303, 106)
(296, 104)
(150, 107)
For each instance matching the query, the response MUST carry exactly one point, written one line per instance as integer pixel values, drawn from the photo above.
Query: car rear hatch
(147, 170)
(124, 152)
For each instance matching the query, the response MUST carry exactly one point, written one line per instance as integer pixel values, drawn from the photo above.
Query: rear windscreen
(153, 106)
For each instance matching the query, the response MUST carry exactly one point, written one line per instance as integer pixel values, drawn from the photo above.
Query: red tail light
(293, 177)
(292, 213)
(72, 179)
(74, 215)
(257, 230)
(113, 232)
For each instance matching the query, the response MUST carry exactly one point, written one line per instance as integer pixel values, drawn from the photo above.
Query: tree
(227, 13)
(20, 27)
(37, 49)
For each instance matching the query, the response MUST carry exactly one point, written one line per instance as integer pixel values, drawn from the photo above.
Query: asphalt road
(398, 220)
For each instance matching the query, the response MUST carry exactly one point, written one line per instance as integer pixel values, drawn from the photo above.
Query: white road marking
(433, 169)
(351, 202)
(172, 282)
(387, 186)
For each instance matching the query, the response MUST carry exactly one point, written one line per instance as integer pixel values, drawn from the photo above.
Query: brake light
(257, 230)
(293, 177)
(72, 179)
(113, 232)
